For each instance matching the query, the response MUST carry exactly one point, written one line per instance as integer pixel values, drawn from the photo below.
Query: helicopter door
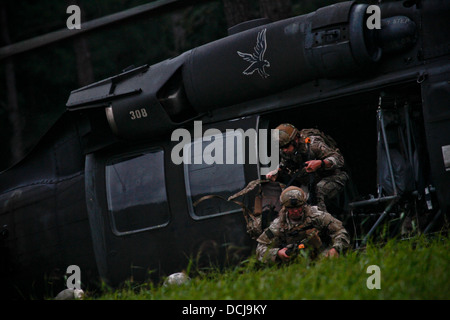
(436, 97)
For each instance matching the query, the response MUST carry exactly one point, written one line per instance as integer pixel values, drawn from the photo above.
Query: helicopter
(101, 190)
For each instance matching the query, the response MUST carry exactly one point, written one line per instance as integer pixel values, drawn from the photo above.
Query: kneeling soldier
(301, 225)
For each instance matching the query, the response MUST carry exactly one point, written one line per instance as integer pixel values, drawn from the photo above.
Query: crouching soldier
(300, 226)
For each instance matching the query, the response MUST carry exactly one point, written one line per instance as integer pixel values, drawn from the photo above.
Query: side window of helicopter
(222, 177)
(136, 192)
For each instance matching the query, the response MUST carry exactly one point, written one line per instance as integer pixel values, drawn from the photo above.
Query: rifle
(296, 174)
(311, 241)
(293, 250)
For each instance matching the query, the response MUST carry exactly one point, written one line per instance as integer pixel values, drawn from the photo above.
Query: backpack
(316, 132)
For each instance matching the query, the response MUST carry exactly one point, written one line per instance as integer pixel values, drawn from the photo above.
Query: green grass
(410, 269)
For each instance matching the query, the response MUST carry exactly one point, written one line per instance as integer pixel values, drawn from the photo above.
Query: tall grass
(409, 269)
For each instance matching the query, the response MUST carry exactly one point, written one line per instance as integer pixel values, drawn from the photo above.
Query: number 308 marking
(138, 114)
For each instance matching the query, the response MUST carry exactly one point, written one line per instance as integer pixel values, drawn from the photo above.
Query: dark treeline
(34, 86)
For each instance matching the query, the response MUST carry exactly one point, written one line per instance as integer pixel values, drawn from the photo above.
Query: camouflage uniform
(329, 181)
(282, 232)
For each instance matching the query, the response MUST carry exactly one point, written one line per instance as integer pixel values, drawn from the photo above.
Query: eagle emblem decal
(256, 59)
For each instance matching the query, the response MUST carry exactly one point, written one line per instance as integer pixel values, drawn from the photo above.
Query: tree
(83, 56)
(236, 11)
(275, 10)
(12, 104)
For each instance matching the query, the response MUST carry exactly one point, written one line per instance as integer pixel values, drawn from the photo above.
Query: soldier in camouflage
(297, 222)
(310, 152)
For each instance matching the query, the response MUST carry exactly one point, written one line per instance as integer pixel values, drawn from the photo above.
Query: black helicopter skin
(101, 191)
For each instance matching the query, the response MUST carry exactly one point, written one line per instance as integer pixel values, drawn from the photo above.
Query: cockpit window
(205, 178)
(136, 192)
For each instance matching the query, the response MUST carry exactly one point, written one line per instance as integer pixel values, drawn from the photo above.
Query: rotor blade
(89, 26)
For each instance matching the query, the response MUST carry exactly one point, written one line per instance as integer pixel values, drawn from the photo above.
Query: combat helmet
(293, 197)
(286, 133)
